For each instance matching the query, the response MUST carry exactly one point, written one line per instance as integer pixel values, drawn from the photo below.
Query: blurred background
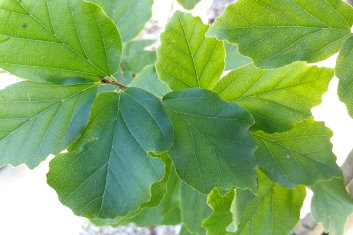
(28, 206)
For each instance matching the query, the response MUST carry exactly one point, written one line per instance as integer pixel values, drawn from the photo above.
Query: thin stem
(114, 83)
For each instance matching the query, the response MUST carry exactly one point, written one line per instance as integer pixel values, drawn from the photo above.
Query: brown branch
(114, 83)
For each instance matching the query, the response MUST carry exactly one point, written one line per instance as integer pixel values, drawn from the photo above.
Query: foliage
(166, 136)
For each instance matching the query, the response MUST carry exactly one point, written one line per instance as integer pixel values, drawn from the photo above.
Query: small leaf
(234, 59)
(212, 146)
(274, 210)
(194, 209)
(38, 119)
(135, 57)
(188, 4)
(331, 205)
(302, 155)
(275, 33)
(186, 58)
(344, 71)
(221, 216)
(130, 16)
(49, 41)
(149, 81)
(277, 98)
(112, 176)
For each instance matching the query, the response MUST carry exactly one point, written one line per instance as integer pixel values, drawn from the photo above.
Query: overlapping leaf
(112, 175)
(344, 71)
(302, 155)
(276, 32)
(212, 146)
(38, 119)
(277, 98)
(188, 4)
(52, 40)
(129, 16)
(274, 210)
(331, 205)
(186, 58)
(234, 59)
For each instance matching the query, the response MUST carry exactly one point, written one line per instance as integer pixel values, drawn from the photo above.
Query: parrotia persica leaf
(234, 59)
(130, 16)
(221, 216)
(277, 98)
(344, 71)
(38, 119)
(274, 210)
(188, 4)
(112, 175)
(212, 146)
(276, 32)
(331, 205)
(186, 58)
(302, 155)
(194, 209)
(51, 40)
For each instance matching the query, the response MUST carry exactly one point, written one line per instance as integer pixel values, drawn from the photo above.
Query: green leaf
(302, 155)
(135, 57)
(275, 33)
(234, 59)
(38, 119)
(194, 209)
(277, 98)
(331, 205)
(184, 231)
(188, 4)
(148, 80)
(186, 58)
(130, 16)
(212, 146)
(274, 210)
(241, 200)
(344, 71)
(221, 217)
(58, 39)
(112, 175)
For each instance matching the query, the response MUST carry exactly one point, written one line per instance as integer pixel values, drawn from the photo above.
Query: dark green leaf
(234, 59)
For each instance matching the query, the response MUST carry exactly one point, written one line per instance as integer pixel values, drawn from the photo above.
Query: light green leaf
(274, 210)
(194, 209)
(188, 4)
(112, 175)
(275, 33)
(212, 146)
(234, 59)
(277, 98)
(221, 216)
(241, 200)
(124, 77)
(149, 81)
(331, 205)
(302, 155)
(38, 119)
(58, 39)
(184, 231)
(130, 16)
(344, 71)
(186, 58)
(135, 57)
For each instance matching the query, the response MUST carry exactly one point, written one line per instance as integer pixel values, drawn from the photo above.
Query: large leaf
(277, 98)
(234, 59)
(112, 175)
(278, 32)
(212, 146)
(194, 209)
(221, 216)
(135, 57)
(52, 40)
(188, 4)
(186, 58)
(331, 205)
(344, 71)
(38, 119)
(149, 81)
(130, 16)
(302, 155)
(274, 210)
